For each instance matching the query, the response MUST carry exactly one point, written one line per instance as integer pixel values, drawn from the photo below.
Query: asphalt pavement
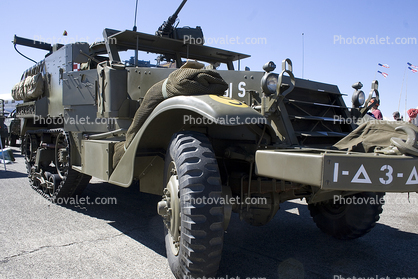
(120, 235)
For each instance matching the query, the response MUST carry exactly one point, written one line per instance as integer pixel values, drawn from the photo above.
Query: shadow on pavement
(290, 246)
(134, 214)
(10, 172)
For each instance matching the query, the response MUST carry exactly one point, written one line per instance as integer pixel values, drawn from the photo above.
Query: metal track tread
(72, 183)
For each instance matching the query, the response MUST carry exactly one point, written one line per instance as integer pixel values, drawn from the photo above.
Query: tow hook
(410, 146)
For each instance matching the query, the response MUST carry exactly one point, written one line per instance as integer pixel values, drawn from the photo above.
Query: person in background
(412, 113)
(397, 116)
(374, 111)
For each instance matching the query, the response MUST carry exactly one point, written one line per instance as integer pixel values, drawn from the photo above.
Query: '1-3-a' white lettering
(362, 176)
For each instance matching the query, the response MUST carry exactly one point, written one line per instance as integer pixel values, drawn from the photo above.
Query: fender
(170, 116)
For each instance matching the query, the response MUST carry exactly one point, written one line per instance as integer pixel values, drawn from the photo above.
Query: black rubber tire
(201, 239)
(348, 221)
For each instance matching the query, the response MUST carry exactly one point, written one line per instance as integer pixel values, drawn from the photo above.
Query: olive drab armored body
(209, 142)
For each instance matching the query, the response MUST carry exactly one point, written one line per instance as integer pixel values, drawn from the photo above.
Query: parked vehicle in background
(13, 128)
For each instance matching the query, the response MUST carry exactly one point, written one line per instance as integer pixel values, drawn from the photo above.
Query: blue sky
(338, 36)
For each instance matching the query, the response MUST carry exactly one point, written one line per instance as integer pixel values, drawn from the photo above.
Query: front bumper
(336, 170)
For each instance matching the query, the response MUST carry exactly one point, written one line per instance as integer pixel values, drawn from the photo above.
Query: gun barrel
(31, 43)
(179, 9)
(167, 27)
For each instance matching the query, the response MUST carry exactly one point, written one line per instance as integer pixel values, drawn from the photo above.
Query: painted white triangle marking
(413, 177)
(357, 179)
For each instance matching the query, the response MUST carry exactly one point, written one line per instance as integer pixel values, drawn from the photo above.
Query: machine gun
(186, 34)
(35, 44)
(31, 43)
(167, 28)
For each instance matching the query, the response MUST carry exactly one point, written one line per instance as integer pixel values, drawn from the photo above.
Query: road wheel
(351, 219)
(53, 176)
(193, 228)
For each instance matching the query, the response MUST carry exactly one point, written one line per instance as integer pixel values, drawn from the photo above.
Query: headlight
(358, 98)
(269, 83)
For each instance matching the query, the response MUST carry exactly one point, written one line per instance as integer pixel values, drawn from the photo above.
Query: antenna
(303, 53)
(136, 11)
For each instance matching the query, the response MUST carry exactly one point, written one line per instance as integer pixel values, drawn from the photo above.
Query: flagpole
(303, 53)
(400, 95)
(406, 95)
(413, 69)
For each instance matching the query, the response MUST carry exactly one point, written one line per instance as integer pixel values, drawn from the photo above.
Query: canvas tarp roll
(30, 88)
(190, 79)
(373, 136)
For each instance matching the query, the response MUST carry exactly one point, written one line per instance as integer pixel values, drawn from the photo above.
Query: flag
(384, 65)
(413, 66)
(383, 74)
(413, 70)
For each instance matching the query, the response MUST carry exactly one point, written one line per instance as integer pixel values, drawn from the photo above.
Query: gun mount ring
(408, 147)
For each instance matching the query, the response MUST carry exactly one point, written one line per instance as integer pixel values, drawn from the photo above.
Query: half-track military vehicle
(209, 142)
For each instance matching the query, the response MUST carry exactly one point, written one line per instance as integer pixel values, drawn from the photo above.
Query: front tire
(193, 227)
(348, 220)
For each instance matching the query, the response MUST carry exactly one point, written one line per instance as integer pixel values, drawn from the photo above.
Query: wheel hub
(169, 209)
(334, 211)
(62, 152)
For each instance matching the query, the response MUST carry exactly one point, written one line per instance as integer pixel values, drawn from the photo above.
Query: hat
(412, 113)
(374, 101)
